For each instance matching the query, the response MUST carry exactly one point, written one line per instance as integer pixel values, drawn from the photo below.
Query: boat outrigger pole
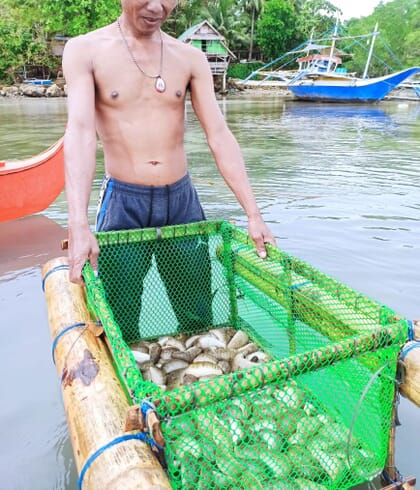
(374, 34)
(334, 37)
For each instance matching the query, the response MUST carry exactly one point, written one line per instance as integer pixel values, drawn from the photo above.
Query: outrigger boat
(321, 77)
(31, 185)
(292, 385)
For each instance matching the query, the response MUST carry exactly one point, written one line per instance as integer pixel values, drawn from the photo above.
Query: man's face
(146, 16)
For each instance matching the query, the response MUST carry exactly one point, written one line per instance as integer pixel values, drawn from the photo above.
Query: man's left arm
(226, 150)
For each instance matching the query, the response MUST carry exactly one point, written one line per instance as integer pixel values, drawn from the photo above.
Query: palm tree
(225, 16)
(255, 7)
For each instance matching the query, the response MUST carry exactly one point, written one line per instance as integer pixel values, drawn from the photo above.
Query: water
(338, 185)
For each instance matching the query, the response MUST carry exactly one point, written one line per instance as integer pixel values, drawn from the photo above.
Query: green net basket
(266, 374)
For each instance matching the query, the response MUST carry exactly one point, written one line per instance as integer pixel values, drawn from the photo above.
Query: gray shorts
(183, 264)
(124, 206)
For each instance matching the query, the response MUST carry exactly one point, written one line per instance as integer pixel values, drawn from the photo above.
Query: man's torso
(141, 129)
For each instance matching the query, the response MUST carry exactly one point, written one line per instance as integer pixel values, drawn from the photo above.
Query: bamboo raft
(94, 399)
(105, 426)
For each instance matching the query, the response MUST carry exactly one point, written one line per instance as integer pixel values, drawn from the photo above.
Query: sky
(355, 8)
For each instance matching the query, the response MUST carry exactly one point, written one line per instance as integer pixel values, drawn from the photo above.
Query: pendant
(160, 84)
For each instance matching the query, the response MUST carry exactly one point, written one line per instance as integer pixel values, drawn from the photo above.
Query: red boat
(31, 185)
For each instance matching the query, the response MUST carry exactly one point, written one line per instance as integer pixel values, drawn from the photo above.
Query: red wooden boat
(31, 185)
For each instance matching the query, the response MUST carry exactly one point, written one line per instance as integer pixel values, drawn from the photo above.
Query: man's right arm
(225, 149)
(79, 153)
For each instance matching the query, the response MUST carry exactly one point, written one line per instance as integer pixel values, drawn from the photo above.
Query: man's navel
(153, 162)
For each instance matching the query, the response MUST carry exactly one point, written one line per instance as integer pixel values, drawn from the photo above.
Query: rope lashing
(141, 436)
(300, 285)
(389, 480)
(406, 350)
(145, 407)
(68, 329)
(63, 267)
(410, 330)
(63, 332)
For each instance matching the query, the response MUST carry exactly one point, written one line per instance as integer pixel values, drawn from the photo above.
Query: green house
(206, 38)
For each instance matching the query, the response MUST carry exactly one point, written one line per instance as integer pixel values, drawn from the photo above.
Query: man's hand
(82, 247)
(261, 235)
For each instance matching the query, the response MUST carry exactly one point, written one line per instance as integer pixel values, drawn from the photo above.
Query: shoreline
(59, 89)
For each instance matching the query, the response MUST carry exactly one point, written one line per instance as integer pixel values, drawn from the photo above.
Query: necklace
(160, 84)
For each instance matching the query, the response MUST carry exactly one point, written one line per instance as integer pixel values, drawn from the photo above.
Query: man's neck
(130, 31)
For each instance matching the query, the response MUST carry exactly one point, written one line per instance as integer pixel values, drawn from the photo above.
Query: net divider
(204, 393)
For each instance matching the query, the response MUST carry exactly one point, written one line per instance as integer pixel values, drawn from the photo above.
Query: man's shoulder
(87, 46)
(83, 40)
(184, 47)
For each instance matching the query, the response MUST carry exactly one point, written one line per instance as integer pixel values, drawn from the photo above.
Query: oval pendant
(160, 85)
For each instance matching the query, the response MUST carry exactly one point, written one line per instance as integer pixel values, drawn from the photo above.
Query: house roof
(204, 31)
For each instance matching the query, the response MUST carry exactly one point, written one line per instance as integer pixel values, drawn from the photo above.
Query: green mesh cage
(266, 374)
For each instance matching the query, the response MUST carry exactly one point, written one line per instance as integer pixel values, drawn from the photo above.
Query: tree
(276, 28)
(255, 8)
(398, 42)
(315, 16)
(225, 16)
(64, 16)
(186, 14)
(22, 40)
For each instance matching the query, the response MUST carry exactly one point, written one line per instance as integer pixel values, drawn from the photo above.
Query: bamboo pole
(93, 397)
(410, 356)
(390, 467)
(311, 304)
(408, 484)
(416, 329)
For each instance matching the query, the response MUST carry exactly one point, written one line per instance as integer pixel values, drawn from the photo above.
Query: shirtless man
(127, 83)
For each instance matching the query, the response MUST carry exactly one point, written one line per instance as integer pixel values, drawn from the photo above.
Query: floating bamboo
(416, 329)
(410, 356)
(93, 397)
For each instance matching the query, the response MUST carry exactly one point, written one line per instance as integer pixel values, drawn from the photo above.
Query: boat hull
(350, 90)
(31, 185)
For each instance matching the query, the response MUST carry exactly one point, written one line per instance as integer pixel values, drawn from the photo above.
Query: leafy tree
(185, 15)
(276, 28)
(317, 16)
(225, 16)
(412, 43)
(274, 25)
(65, 15)
(398, 42)
(413, 49)
(22, 42)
